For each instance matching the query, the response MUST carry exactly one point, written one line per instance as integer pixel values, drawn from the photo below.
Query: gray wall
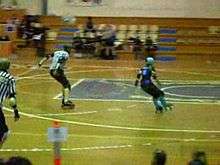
(139, 8)
(129, 8)
(32, 6)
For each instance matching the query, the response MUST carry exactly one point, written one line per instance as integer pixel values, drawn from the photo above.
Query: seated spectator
(78, 44)
(89, 26)
(137, 46)
(12, 24)
(39, 38)
(150, 47)
(159, 157)
(21, 28)
(4, 38)
(18, 160)
(198, 158)
(108, 41)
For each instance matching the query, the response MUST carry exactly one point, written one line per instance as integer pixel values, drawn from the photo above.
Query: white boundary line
(126, 137)
(63, 114)
(187, 96)
(133, 68)
(178, 101)
(93, 147)
(116, 127)
(67, 149)
(147, 99)
(72, 86)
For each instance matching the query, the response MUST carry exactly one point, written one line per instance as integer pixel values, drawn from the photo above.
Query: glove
(136, 83)
(39, 65)
(16, 115)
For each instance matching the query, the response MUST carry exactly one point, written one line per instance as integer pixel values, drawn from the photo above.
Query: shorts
(3, 126)
(60, 77)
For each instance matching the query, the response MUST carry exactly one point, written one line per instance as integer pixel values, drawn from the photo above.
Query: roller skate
(159, 110)
(67, 105)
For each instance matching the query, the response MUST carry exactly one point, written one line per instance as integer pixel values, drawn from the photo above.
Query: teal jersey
(59, 59)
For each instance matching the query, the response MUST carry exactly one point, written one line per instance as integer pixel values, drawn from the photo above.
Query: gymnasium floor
(114, 123)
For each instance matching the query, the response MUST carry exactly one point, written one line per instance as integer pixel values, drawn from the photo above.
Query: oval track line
(124, 137)
(115, 127)
(119, 68)
(66, 114)
(186, 96)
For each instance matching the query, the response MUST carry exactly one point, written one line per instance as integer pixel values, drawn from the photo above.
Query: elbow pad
(13, 102)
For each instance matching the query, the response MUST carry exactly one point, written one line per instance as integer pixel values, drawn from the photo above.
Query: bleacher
(175, 36)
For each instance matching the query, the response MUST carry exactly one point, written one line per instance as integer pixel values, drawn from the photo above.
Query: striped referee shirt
(7, 85)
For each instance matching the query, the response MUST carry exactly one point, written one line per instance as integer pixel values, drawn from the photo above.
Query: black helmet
(66, 48)
(4, 64)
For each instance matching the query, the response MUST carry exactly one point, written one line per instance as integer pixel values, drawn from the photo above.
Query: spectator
(78, 44)
(4, 38)
(150, 47)
(39, 38)
(137, 46)
(21, 28)
(89, 27)
(18, 160)
(159, 157)
(198, 158)
(108, 38)
(12, 24)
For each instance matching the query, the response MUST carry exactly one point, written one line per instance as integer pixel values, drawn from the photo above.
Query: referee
(7, 90)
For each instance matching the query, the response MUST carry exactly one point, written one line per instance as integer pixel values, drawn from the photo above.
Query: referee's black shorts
(3, 126)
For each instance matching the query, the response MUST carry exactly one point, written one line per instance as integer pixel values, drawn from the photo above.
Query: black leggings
(152, 90)
(60, 77)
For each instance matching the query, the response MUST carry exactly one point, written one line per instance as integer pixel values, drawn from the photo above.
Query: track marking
(187, 96)
(68, 114)
(114, 109)
(132, 106)
(72, 86)
(127, 137)
(195, 100)
(79, 148)
(176, 101)
(115, 127)
(66, 149)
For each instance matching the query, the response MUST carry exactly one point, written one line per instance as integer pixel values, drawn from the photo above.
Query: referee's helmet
(4, 64)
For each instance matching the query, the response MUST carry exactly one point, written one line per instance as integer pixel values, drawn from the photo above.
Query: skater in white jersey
(59, 59)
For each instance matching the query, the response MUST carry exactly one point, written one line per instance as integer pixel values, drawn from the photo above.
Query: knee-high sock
(163, 101)
(66, 94)
(157, 103)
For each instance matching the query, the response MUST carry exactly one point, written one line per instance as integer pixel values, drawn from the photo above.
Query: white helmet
(149, 61)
